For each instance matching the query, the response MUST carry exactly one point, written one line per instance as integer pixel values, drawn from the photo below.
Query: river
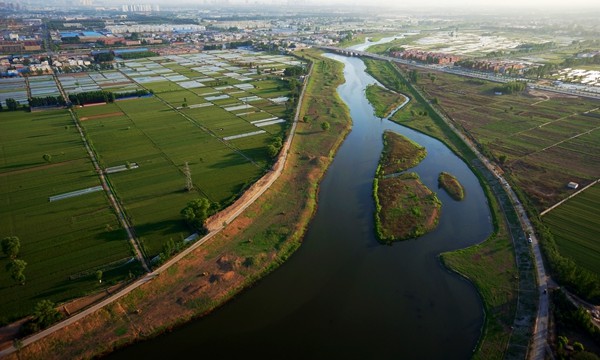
(343, 294)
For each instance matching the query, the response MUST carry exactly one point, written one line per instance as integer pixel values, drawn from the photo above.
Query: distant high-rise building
(140, 8)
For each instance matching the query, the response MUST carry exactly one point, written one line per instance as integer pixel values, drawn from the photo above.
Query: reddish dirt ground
(101, 116)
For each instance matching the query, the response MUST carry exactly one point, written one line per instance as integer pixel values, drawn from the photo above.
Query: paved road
(214, 230)
(465, 72)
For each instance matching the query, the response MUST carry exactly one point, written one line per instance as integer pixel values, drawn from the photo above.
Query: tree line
(47, 101)
(11, 246)
(511, 87)
(91, 97)
(136, 55)
(11, 105)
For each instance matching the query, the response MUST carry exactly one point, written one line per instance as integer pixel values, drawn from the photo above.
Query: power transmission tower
(189, 185)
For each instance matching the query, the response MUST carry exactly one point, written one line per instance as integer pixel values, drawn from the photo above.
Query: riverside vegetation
(405, 207)
(383, 100)
(452, 186)
(489, 265)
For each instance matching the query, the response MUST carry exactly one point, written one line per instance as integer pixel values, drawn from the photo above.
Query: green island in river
(452, 186)
(383, 100)
(405, 207)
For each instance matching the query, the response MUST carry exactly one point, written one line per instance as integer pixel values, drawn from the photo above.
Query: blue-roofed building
(68, 34)
(129, 51)
(91, 34)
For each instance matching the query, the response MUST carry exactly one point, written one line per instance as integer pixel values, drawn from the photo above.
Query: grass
(452, 186)
(383, 100)
(575, 227)
(161, 141)
(399, 153)
(60, 241)
(491, 264)
(532, 134)
(84, 232)
(262, 238)
(160, 135)
(416, 114)
(397, 43)
(358, 39)
(405, 208)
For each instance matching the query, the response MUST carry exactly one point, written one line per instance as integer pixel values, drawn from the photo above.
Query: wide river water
(343, 294)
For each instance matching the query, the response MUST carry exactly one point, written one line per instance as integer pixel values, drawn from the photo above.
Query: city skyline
(538, 4)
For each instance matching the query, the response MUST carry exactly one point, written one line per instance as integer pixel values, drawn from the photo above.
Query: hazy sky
(540, 4)
(478, 3)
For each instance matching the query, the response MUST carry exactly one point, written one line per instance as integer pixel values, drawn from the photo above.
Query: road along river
(343, 294)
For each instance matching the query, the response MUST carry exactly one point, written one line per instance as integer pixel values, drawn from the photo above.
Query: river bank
(489, 265)
(247, 249)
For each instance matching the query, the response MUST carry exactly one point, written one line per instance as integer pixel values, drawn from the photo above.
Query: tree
(11, 104)
(293, 71)
(45, 314)
(325, 125)
(272, 150)
(47, 158)
(196, 213)
(413, 75)
(16, 269)
(11, 246)
(99, 276)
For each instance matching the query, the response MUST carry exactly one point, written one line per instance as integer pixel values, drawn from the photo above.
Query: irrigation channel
(343, 294)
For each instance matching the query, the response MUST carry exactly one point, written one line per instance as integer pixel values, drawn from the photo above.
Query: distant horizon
(402, 4)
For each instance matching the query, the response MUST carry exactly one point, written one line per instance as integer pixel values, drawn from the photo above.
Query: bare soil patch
(101, 116)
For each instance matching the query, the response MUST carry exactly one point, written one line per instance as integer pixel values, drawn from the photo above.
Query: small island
(452, 186)
(405, 207)
(399, 153)
(383, 100)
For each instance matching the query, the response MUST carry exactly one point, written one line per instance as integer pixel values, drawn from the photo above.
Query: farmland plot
(575, 227)
(63, 242)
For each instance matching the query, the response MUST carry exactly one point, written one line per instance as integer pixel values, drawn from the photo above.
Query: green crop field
(575, 225)
(63, 241)
(161, 135)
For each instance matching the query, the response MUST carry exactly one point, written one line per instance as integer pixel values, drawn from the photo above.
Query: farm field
(13, 88)
(224, 128)
(63, 242)
(223, 132)
(575, 225)
(531, 133)
(112, 81)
